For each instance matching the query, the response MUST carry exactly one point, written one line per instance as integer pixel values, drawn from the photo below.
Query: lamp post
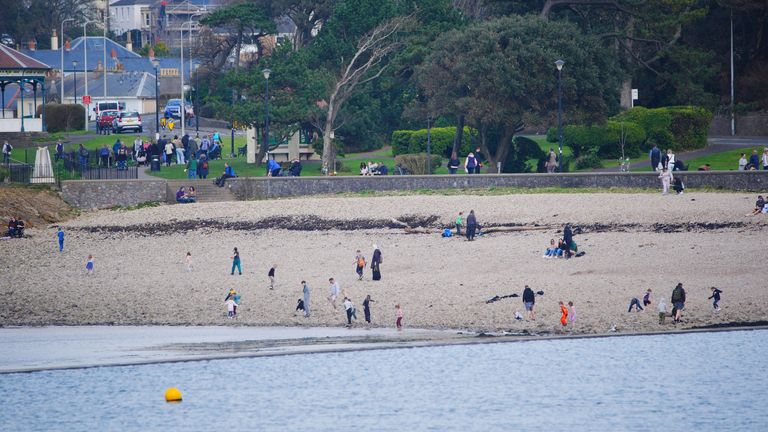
(559, 64)
(104, 54)
(429, 145)
(74, 67)
(183, 108)
(62, 58)
(197, 99)
(266, 73)
(156, 64)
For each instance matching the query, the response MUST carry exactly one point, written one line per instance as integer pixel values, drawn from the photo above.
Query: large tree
(501, 75)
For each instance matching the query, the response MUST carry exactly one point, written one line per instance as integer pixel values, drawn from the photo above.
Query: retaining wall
(109, 193)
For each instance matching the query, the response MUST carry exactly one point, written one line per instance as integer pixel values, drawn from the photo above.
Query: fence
(100, 173)
(89, 166)
(19, 172)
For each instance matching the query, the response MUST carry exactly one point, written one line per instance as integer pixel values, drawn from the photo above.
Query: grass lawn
(726, 161)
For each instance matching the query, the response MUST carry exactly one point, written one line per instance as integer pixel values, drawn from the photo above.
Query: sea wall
(110, 193)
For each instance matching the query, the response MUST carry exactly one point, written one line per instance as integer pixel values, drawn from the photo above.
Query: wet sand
(632, 242)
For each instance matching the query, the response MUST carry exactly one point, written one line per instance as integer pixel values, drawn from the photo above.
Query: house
(22, 90)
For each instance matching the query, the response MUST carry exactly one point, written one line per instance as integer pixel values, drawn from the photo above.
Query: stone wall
(746, 125)
(110, 193)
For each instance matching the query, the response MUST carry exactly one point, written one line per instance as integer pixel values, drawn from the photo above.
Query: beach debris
(172, 394)
(497, 298)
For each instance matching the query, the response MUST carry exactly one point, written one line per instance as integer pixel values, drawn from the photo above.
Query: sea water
(700, 381)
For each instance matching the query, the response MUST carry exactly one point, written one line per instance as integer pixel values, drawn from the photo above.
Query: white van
(108, 106)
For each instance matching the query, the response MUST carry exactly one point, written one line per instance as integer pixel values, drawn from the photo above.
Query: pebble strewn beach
(632, 242)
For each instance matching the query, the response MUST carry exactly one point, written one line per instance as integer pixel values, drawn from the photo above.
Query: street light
(429, 145)
(85, 69)
(197, 99)
(266, 73)
(74, 67)
(182, 109)
(156, 64)
(62, 57)
(559, 64)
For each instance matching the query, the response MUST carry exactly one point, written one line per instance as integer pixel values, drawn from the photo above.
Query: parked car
(173, 109)
(127, 120)
(104, 120)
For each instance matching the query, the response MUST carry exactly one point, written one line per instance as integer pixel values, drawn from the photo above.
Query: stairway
(206, 191)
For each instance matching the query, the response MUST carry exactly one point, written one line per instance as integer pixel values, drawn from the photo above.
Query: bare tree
(364, 66)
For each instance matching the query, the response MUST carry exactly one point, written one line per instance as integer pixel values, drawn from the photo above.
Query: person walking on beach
(529, 301)
(662, 311)
(563, 315)
(359, 264)
(60, 235)
(334, 292)
(678, 301)
(349, 307)
(376, 261)
(459, 221)
(89, 265)
(647, 298)
(398, 317)
(188, 261)
(571, 315)
(666, 178)
(367, 308)
(305, 292)
(634, 302)
(236, 263)
(236, 299)
(271, 275)
(471, 225)
(715, 297)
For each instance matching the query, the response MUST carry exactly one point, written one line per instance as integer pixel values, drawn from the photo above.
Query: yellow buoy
(173, 395)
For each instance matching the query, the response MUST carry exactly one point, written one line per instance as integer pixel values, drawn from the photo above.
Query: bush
(64, 117)
(417, 163)
(676, 128)
(589, 160)
(655, 122)
(415, 141)
(604, 140)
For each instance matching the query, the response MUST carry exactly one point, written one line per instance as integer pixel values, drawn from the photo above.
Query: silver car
(127, 120)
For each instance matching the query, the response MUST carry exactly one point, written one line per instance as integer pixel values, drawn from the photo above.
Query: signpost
(634, 98)
(87, 100)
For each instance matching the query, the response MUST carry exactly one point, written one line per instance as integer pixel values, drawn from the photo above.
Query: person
(453, 163)
(216, 138)
(181, 196)
(230, 294)
(305, 291)
(647, 298)
(715, 297)
(480, 157)
(765, 159)
(299, 306)
(188, 261)
(743, 162)
(192, 147)
(89, 265)
(634, 302)
(665, 177)
(19, 227)
(671, 164)
(192, 167)
(60, 235)
(205, 144)
(568, 241)
(571, 314)
(83, 155)
(334, 288)
(350, 309)
(104, 155)
(470, 163)
(236, 299)
(754, 160)
(376, 261)
(138, 145)
(399, 317)
(185, 145)
(230, 302)
(229, 172)
(168, 152)
(655, 156)
(359, 264)
(471, 225)
(678, 301)
(678, 185)
(271, 276)
(7, 149)
(59, 151)
(563, 314)
(116, 146)
(12, 227)
(662, 310)
(295, 168)
(367, 308)
(122, 157)
(552, 251)
(529, 301)
(179, 147)
(759, 206)
(273, 168)
(191, 194)
(202, 167)
(459, 221)
(236, 262)
(363, 169)
(551, 163)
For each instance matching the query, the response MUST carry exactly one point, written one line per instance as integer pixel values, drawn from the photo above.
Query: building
(22, 90)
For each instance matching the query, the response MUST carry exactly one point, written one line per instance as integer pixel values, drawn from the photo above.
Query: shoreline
(414, 338)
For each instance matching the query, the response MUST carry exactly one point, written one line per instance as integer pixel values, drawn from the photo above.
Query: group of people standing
(754, 161)
(471, 225)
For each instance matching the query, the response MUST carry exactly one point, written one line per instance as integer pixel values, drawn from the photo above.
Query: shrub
(589, 160)
(604, 140)
(655, 122)
(64, 117)
(677, 128)
(415, 141)
(417, 163)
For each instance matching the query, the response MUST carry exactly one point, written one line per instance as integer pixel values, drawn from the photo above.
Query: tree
(36, 19)
(242, 20)
(501, 75)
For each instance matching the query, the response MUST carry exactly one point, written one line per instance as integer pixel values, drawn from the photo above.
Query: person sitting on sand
(552, 250)
(759, 206)
(634, 302)
(561, 247)
(715, 297)
(12, 227)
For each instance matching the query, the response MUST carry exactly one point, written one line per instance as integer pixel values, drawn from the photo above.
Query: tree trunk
(328, 159)
(459, 134)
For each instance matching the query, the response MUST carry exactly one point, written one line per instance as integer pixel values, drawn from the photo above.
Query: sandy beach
(632, 242)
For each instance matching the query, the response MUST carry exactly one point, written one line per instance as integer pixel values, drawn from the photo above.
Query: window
(146, 19)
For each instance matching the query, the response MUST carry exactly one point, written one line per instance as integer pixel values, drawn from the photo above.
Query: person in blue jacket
(60, 234)
(229, 172)
(273, 168)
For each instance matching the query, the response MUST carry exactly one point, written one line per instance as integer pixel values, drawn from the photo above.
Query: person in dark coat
(367, 308)
(471, 225)
(568, 240)
(655, 157)
(376, 262)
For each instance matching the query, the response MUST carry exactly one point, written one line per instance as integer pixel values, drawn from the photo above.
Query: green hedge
(603, 140)
(676, 127)
(64, 117)
(415, 141)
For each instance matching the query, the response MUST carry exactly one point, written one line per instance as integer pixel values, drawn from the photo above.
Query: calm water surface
(702, 382)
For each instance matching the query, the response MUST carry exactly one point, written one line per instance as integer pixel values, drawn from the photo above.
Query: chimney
(113, 53)
(54, 41)
(129, 44)
(68, 45)
(32, 44)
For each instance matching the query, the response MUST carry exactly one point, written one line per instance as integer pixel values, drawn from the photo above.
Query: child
(571, 314)
(399, 316)
(551, 250)
(360, 264)
(188, 260)
(60, 234)
(518, 316)
(236, 299)
(662, 311)
(647, 298)
(634, 302)
(715, 298)
(236, 263)
(271, 276)
(300, 307)
(89, 265)
(459, 221)
(230, 307)
(564, 314)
